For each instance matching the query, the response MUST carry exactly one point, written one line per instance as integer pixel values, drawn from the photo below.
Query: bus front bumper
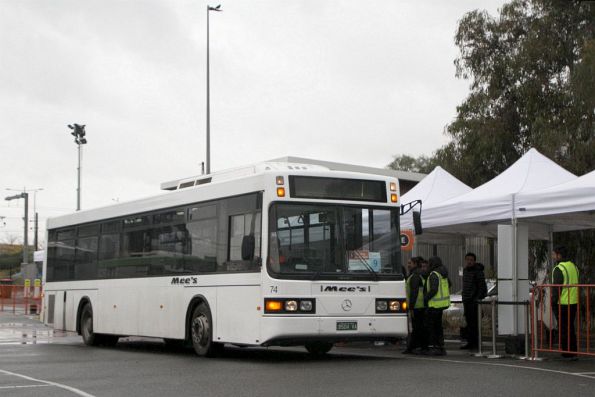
(295, 331)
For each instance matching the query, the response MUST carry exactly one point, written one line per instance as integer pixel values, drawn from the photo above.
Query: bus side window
(240, 226)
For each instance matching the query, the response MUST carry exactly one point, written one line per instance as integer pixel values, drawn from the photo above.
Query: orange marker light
(394, 198)
(404, 305)
(280, 192)
(274, 306)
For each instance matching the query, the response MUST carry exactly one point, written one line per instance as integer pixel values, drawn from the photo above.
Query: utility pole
(209, 9)
(25, 196)
(36, 217)
(78, 131)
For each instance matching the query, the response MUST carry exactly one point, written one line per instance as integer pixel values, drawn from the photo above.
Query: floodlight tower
(78, 131)
(209, 9)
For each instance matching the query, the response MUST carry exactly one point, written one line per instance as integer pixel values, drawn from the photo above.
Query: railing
(494, 303)
(559, 328)
(20, 299)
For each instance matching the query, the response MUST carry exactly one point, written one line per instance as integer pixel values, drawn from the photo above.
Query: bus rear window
(337, 189)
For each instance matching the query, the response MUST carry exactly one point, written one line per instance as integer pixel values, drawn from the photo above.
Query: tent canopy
(563, 207)
(436, 187)
(479, 211)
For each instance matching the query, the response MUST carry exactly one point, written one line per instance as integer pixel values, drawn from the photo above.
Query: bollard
(479, 353)
(527, 321)
(494, 355)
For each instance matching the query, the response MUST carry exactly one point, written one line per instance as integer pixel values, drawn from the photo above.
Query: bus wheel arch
(199, 328)
(90, 338)
(85, 300)
(85, 320)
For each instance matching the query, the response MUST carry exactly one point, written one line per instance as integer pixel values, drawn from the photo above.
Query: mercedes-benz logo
(346, 305)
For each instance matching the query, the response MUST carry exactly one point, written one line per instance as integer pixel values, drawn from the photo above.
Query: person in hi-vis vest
(418, 340)
(436, 299)
(565, 299)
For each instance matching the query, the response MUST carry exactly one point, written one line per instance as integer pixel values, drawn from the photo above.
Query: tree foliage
(532, 84)
(423, 164)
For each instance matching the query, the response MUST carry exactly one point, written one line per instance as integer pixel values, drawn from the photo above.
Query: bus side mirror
(248, 244)
(417, 223)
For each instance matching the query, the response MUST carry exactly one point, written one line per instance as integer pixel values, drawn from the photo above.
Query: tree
(532, 82)
(404, 162)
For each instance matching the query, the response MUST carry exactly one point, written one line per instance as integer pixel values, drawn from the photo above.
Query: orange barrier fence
(563, 328)
(20, 299)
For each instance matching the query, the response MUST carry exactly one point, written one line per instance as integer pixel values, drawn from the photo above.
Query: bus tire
(90, 338)
(201, 332)
(318, 348)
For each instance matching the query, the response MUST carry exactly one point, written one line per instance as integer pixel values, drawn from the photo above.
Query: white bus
(272, 254)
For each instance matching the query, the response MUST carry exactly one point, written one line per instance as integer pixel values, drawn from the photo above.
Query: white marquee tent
(434, 189)
(479, 211)
(563, 207)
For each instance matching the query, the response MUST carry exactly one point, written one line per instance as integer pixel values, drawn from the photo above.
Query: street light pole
(209, 9)
(78, 131)
(78, 179)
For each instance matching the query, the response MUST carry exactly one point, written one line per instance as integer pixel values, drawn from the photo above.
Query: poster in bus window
(359, 258)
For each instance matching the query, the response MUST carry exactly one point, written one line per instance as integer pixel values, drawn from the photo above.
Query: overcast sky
(346, 81)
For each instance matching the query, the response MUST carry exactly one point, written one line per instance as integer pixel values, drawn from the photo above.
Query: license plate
(346, 325)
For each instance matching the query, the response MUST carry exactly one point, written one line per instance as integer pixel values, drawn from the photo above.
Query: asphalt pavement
(35, 361)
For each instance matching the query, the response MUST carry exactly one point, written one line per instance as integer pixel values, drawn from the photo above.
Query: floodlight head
(216, 8)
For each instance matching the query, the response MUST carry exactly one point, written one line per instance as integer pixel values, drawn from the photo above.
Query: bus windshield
(333, 242)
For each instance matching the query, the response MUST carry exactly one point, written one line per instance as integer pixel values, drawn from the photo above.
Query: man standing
(565, 299)
(474, 289)
(415, 305)
(436, 299)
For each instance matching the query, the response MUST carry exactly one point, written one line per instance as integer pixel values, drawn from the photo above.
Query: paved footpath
(35, 361)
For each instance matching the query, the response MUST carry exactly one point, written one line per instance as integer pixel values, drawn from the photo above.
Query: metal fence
(20, 299)
(560, 328)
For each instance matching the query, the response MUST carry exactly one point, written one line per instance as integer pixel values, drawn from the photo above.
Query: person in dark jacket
(436, 299)
(415, 304)
(474, 289)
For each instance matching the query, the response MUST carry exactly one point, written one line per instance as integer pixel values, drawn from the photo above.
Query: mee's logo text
(337, 288)
(184, 281)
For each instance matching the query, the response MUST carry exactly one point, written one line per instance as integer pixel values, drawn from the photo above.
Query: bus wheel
(89, 337)
(319, 348)
(201, 331)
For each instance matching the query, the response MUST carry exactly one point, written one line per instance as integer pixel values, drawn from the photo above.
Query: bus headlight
(291, 306)
(306, 306)
(391, 306)
(381, 306)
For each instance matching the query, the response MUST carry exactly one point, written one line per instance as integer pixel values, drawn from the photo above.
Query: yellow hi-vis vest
(442, 298)
(419, 301)
(569, 296)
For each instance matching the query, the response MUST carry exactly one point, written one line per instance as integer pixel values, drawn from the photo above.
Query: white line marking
(22, 386)
(65, 387)
(579, 374)
(506, 365)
